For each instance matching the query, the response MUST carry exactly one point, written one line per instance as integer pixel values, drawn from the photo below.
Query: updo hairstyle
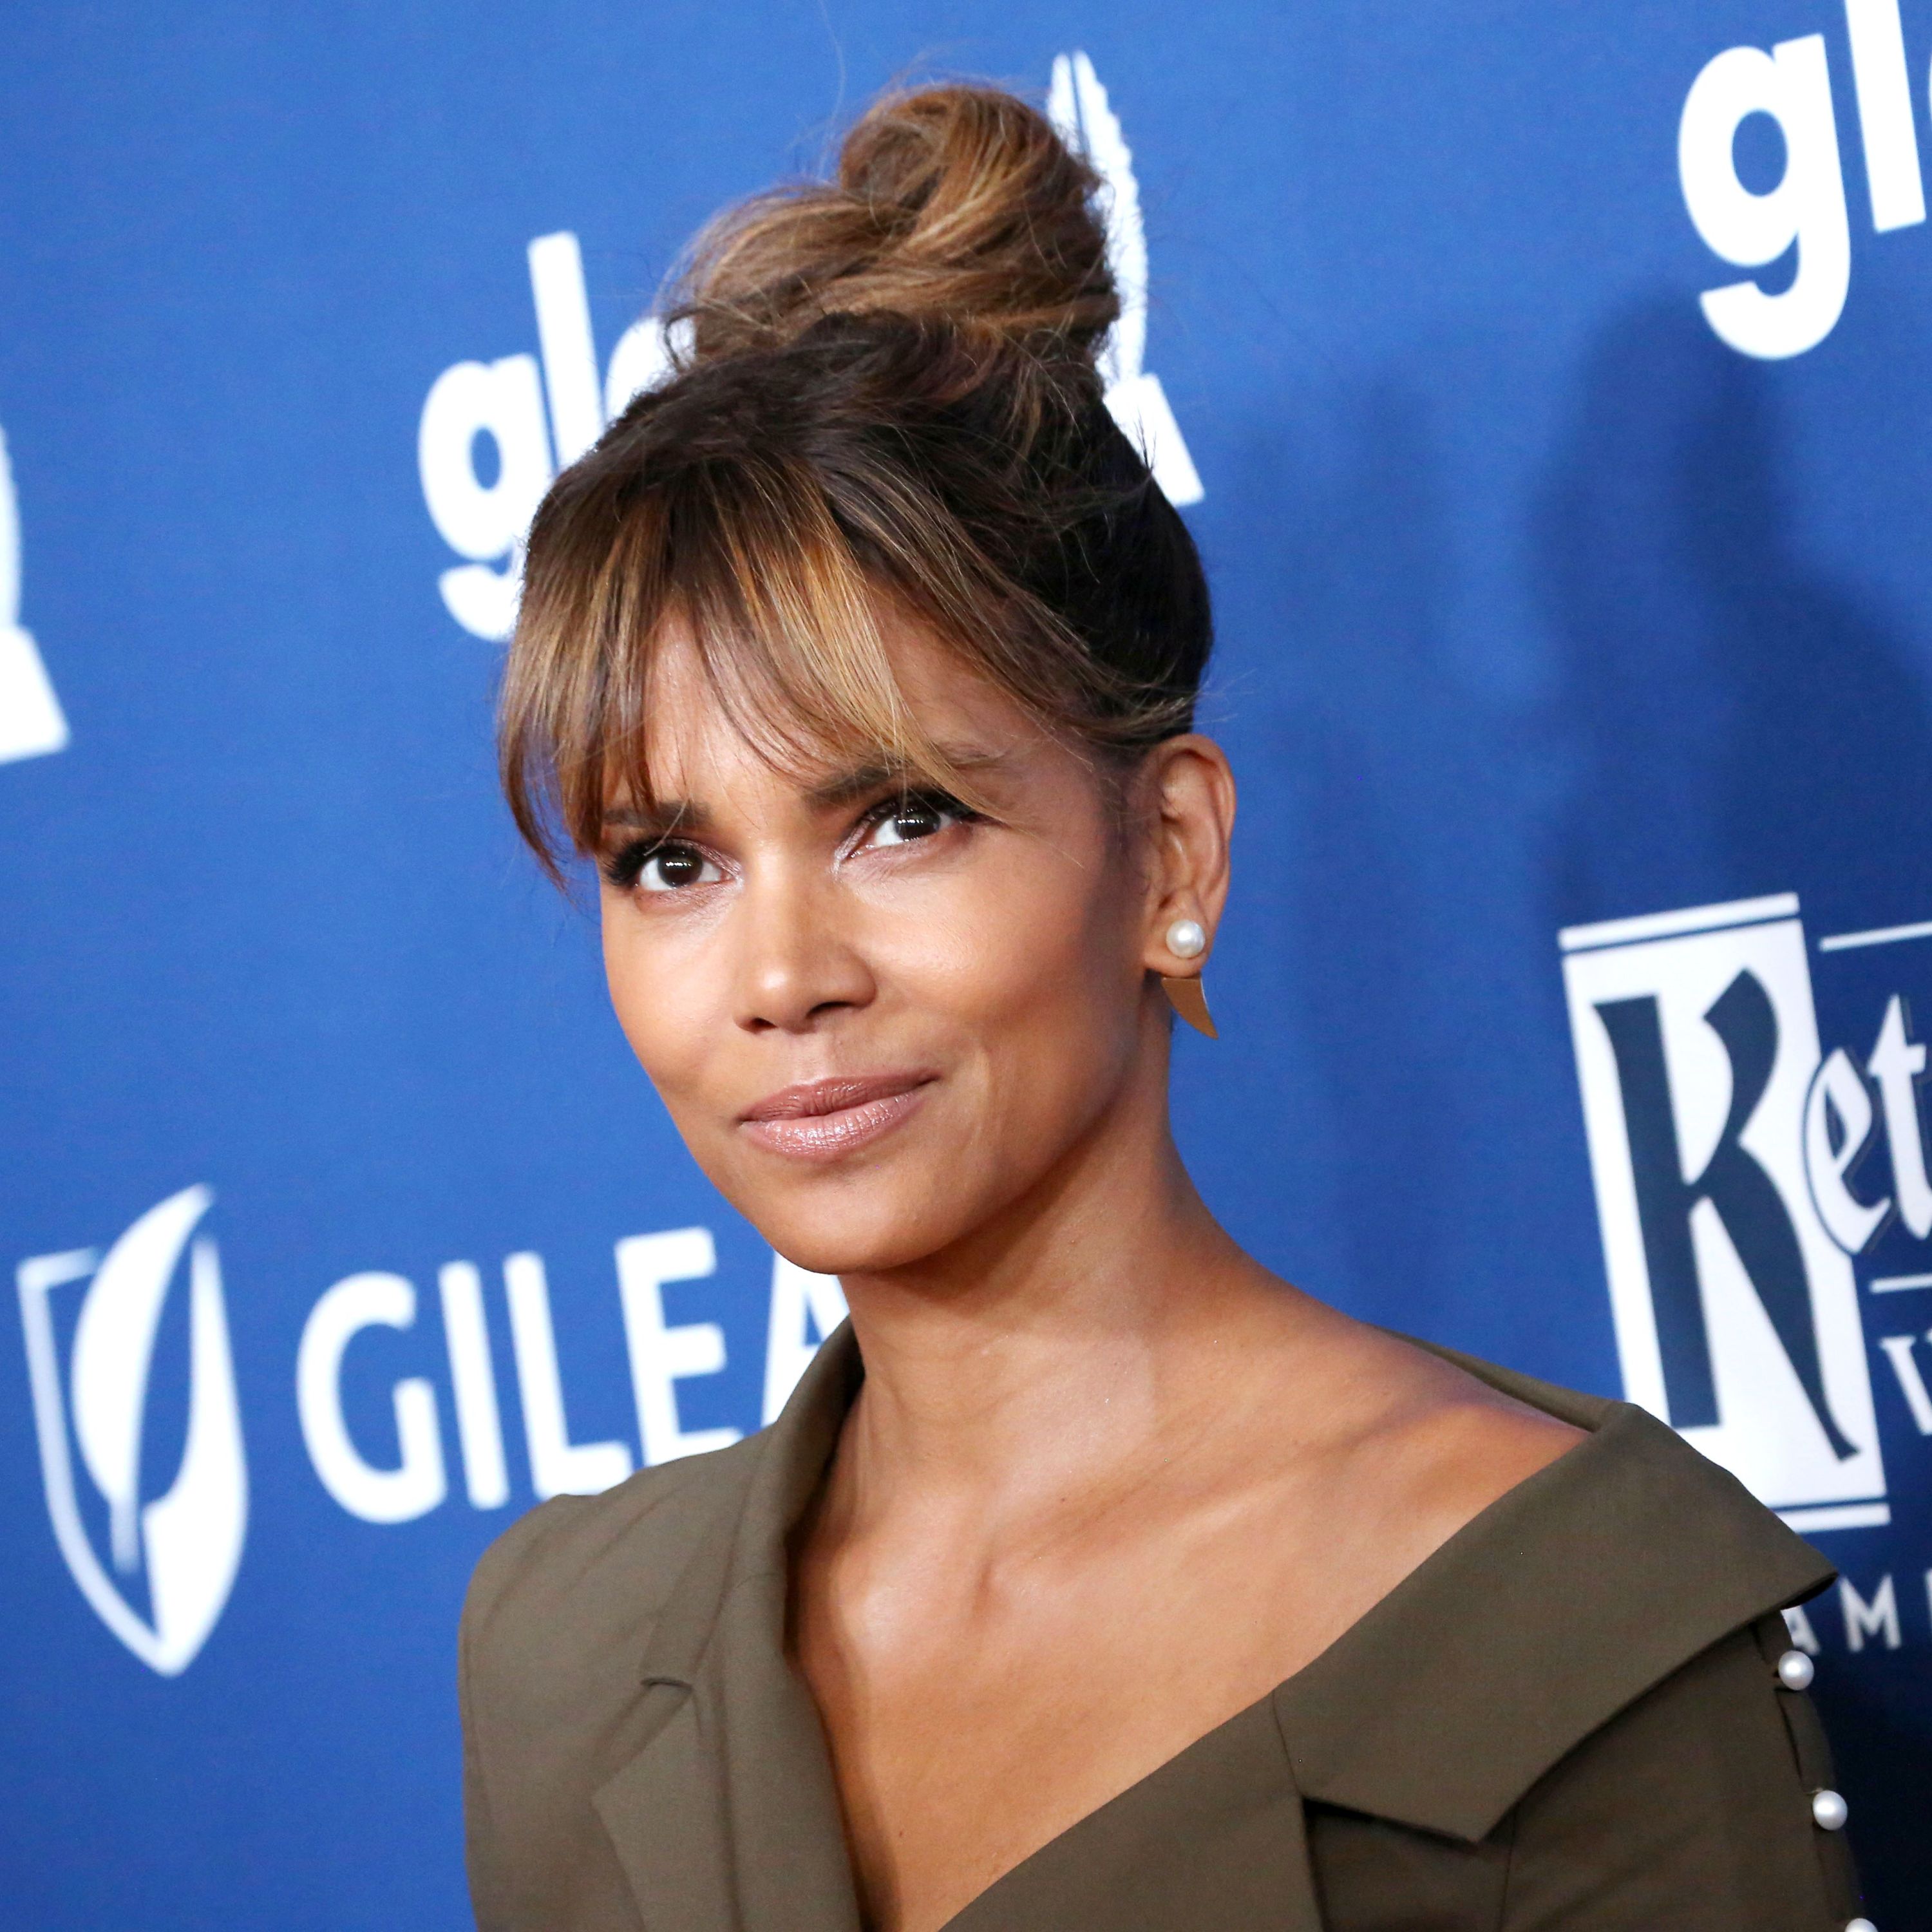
(883, 393)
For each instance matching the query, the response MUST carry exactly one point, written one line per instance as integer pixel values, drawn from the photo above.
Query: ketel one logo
(1736, 1311)
(172, 1556)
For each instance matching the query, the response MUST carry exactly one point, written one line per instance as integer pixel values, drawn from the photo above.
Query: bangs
(748, 563)
(778, 510)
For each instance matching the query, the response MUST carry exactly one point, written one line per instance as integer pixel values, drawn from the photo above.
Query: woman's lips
(824, 1120)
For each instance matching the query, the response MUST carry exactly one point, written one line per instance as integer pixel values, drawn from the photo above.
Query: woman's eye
(671, 868)
(915, 818)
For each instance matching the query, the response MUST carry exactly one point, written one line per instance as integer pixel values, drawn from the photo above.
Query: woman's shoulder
(1590, 1688)
(564, 1605)
(1542, 1457)
(1444, 1437)
(1670, 1528)
(573, 1586)
(1569, 1597)
(1708, 1801)
(554, 1676)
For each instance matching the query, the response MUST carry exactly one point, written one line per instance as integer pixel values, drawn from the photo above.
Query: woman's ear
(1190, 808)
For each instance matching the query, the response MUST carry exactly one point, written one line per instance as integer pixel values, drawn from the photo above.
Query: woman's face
(878, 1019)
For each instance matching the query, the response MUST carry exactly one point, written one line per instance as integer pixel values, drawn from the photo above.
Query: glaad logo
(1077, 103)
(31, 722)
(1736, 1310)
(186, 1544)
(502, 402)
(1805, 210)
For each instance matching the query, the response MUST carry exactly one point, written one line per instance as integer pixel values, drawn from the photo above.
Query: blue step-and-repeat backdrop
(1550, 388)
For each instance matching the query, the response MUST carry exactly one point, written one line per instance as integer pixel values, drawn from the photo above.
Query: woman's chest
(967, 1730)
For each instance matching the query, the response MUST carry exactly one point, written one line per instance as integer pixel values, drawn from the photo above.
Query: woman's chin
(857, 1236)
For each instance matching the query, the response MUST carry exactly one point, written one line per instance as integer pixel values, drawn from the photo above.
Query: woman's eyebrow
(881, 774)
(658, 821)
(666, 817)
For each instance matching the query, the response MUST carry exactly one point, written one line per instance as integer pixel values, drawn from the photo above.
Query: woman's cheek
(647, 992)
(984, 949)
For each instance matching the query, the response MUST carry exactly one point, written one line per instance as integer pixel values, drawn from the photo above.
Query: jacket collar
(728, 1816)
(1558, 1605)
(1214, 1839)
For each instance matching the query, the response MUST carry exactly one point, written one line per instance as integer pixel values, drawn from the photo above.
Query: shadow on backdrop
(1351, 583)
(1739, 724)
(1405, 860)
(1736, 724)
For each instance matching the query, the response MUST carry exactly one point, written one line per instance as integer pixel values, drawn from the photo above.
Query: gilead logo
(534, 415)
(1718, 1147)
(181, 1549)
(158, 1565)
(407, 1474)
(30, 723)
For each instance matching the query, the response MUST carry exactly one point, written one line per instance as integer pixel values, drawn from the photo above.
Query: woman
(1093, 1577)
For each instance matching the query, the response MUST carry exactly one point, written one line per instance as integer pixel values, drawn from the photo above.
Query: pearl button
(1187, 939)
(1796, 1670)
(1828, 1811)
(1860, 1925)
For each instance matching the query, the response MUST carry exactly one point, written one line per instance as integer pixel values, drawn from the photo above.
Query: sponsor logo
(181, 1550)
(1078, 104)
(503, 403)
(92, 1324)
(1803, 213)
(1738, 1189)
(538, 414)
(31, 720)
(661, 1353)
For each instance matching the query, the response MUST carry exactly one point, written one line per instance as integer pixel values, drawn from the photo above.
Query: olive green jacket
(1570, 1716)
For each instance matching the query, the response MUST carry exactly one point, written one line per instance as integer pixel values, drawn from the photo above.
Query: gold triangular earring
(1187, 939)
(1188, 998)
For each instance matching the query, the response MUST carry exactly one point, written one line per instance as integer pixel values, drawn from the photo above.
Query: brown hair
(884, 386)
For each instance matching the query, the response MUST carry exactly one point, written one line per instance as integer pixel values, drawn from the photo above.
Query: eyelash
(944, 803)
(624, 867)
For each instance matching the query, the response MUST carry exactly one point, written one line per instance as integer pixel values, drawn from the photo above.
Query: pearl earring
(1187, 939)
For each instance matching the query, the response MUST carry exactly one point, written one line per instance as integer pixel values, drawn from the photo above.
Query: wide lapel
(1554, 1609)
(727, 1818)
(1212, 1841)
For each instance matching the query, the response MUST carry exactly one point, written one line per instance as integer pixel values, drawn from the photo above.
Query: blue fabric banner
(1548, 389)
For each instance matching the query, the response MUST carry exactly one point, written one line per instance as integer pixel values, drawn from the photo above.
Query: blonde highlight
(886, 397)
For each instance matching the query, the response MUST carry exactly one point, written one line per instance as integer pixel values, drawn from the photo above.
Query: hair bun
(953, 204)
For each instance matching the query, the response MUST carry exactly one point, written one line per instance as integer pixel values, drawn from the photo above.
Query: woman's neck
(1104, 1318)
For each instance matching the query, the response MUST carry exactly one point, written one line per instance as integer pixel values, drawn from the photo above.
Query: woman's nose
(797, 964)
